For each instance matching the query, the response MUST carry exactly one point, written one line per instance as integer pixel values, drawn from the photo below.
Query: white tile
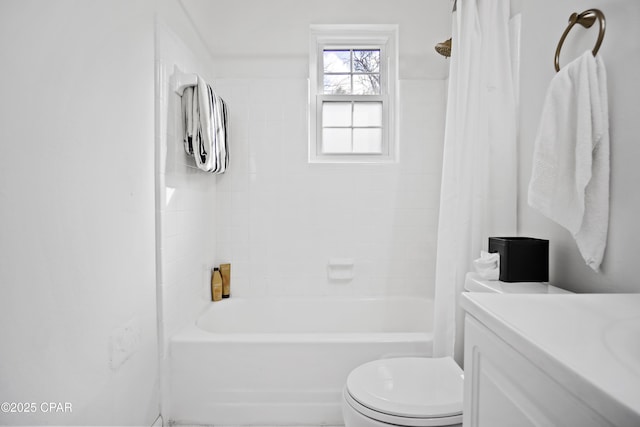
(284, 217)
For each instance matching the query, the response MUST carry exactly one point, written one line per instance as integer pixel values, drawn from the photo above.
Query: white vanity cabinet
(545, 360)
(504, 388)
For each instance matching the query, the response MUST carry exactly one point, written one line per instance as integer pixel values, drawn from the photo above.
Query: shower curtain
(479, 180)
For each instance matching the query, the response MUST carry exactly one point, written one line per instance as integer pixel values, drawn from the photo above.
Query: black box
(522, 259)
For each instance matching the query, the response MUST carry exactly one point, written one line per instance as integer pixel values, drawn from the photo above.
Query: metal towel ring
(586, 19)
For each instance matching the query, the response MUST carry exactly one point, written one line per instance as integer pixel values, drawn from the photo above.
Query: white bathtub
(284, 361)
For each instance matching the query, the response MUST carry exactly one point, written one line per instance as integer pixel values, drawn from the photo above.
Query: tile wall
(185, 196)
(280, 219)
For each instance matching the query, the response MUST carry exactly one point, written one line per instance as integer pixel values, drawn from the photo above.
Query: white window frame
(357, 37)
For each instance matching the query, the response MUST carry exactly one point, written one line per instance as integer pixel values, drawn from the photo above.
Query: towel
(570, 177)
(187, 122)
(205, 127)
(488, 265)
(221, 152)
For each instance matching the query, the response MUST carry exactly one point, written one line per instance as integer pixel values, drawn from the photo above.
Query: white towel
(570, 176)
(221, 152)
(203, 151)
(187, 116)
(205, 127)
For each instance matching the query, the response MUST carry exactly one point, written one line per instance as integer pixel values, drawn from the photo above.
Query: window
(352, 94)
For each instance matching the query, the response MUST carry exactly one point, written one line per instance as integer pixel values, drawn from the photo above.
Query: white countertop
(588, 342)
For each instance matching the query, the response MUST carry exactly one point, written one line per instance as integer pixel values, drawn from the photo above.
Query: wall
(77, 269)
(543, 24)
(257, 38)
(280, 219)
(185, 196)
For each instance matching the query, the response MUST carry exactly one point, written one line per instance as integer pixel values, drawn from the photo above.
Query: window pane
(336, 114)
(337, 84)
(367, 114)
(366, 61)
(336, 141)
(336, 61)
(367, 140)
(367, 84)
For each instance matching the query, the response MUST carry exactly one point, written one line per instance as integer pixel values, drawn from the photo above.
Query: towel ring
(586, 19)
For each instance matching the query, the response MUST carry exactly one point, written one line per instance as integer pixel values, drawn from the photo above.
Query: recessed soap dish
(340, 269)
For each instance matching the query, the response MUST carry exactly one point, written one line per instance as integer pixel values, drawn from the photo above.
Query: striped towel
(205, 127)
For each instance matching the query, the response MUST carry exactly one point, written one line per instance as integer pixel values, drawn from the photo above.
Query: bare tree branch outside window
(368, 61)
(351, 72)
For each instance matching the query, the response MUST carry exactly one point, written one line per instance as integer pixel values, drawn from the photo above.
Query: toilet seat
(408, 391)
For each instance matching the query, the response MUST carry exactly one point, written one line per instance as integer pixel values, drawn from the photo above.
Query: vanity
(551, 360)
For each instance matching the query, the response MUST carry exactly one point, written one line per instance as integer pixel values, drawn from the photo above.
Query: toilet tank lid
(473, 282)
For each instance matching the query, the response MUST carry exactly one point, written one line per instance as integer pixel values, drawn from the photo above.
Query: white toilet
(417, 391)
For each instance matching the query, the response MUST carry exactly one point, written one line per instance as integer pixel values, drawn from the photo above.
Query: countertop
(590, 343)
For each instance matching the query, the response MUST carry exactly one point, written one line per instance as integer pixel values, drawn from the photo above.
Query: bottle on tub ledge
(216, 285)
(225, 269)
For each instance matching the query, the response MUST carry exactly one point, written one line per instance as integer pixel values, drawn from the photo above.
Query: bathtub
(283, 361)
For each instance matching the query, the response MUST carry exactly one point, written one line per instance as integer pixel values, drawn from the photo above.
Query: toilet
(417, 391)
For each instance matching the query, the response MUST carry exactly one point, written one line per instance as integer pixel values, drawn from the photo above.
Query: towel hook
(586, 19)
(180, 80)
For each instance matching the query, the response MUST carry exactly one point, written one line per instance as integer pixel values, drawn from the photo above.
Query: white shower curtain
(479, 181)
